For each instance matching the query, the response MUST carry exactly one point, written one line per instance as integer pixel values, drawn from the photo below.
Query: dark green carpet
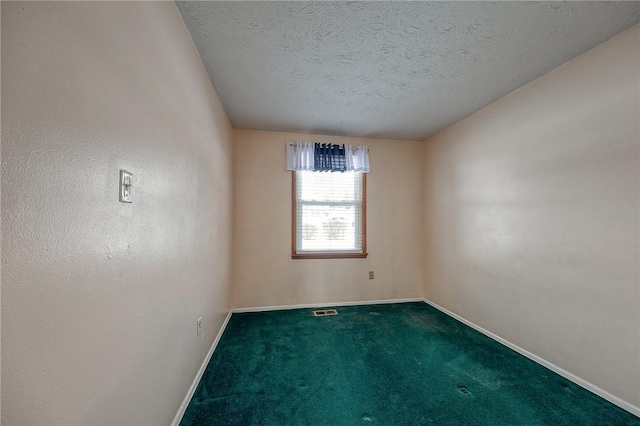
(400, 364)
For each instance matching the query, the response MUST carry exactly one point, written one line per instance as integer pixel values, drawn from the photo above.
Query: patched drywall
(532, 209)
(100, 298)
(264, 273)
(396, 70)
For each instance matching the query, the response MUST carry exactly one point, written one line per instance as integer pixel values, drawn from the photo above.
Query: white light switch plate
(126, 187)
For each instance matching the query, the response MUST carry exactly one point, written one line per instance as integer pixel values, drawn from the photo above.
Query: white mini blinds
(329, 212)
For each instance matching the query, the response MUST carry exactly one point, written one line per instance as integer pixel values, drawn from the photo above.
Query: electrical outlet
(199, 325)
(370, 275)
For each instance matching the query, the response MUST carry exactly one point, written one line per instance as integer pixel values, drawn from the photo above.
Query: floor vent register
(325, 312)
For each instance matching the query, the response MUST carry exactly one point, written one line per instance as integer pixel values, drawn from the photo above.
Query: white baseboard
(324, 305)
(569, 376)
(185, 403)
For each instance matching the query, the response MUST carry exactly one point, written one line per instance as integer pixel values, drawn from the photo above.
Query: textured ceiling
(400, 70)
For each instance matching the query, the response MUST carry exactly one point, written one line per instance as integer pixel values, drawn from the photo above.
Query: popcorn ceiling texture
(401, 70)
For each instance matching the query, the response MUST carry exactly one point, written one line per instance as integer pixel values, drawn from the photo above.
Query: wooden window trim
(332, 254)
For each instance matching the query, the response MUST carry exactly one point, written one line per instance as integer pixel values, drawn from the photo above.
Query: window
(329, 215)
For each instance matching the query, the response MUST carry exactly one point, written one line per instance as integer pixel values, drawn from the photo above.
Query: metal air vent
(325, 312)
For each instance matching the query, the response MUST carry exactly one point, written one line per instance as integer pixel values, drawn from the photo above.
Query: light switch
(126, 187)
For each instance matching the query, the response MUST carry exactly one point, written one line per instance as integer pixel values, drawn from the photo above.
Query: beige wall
(99, 298)
(265, 274)
(532, 217)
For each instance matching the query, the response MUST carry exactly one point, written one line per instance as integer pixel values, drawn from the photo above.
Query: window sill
(329, 255)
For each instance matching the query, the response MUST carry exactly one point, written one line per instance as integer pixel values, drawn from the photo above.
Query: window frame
(327, 254)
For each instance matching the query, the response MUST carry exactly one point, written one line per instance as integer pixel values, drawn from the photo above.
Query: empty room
(320, 213)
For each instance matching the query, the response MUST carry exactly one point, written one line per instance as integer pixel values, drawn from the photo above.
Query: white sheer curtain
(357, 158)
(301, 157)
